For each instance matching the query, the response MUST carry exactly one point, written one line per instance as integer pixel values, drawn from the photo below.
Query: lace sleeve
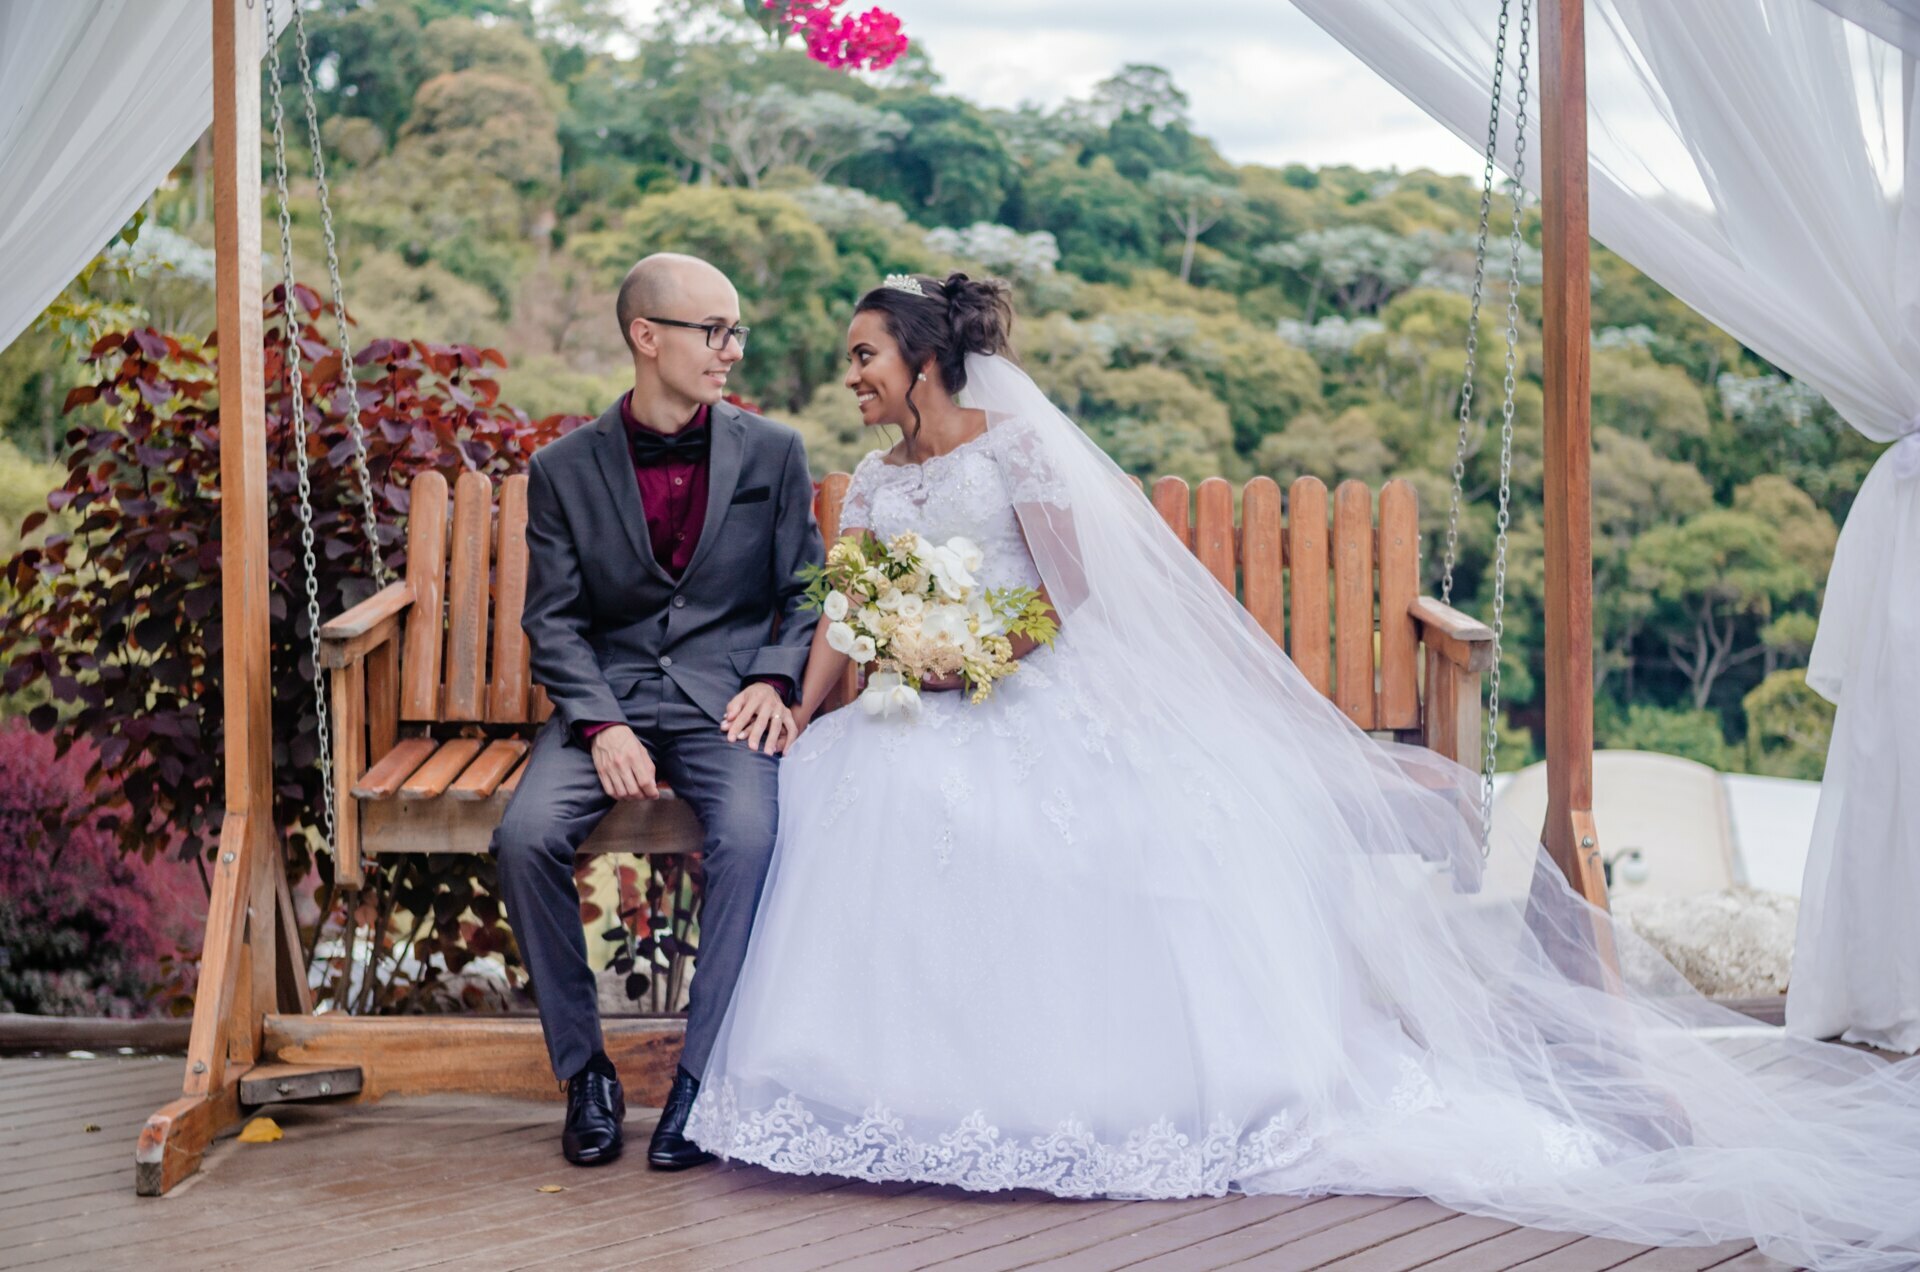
(856, 507)
(1025, 465)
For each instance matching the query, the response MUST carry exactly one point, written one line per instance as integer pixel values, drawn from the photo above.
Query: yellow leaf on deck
(551, 1188)
(262, 1130)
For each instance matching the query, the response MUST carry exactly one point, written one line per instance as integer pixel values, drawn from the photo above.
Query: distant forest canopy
(496, 166)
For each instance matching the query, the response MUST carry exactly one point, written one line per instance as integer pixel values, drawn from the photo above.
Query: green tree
(781, 262)
(1102, 221)
(1194, 205)
(1789, 726)
(1693, 735)
(949, 167)
(1715, 579)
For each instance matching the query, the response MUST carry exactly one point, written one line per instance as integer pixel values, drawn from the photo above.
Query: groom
(665, 616)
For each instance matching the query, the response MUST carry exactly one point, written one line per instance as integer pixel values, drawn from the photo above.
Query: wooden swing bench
(434, 708)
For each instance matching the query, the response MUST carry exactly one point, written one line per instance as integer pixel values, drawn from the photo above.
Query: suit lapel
(615, 460)
(725, 456)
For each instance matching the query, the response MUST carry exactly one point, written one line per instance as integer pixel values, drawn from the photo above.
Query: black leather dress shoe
(595, 1108)
(670, 1148)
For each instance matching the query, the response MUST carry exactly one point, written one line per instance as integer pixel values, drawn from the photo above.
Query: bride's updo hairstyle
(951, 320)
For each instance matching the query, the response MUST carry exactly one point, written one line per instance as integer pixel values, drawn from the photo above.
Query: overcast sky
(1267, 86)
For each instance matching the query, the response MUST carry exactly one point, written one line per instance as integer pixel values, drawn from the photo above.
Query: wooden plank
(384, 779)
(348, 706)
(1418, 1248)
(513, 779)
(511, 682)
(1588, 1254)
(1399, 557)
(1171, 502)
(466, 687)
(1213, 529)
(1308, 636)
(1503, 1251)
(400, 1055)
(484, 775)
(174, 1138)
(1467, 642)
(221, 956)
(365, 627)
(1567, 491)
(432, 778)
(383, 698)
(295, 994)
(1687, 1258)
(427, 572)
(647, 827)
(1353, 627)
(85, 1033)
(1258, 1239)
(1262, 565)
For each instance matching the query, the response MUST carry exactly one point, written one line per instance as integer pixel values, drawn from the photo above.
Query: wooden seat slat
(489, 769)
(390, 771)
(511, 780)
(447, 763)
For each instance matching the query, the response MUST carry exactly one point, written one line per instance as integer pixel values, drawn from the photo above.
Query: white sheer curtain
(98, 99)
(1754, 156)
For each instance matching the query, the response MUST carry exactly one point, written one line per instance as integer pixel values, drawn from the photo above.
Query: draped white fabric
(98, 99)
(1753, 156)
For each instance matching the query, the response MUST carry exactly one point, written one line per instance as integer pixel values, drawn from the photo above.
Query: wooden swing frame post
(254, 1038)
(1569, 834)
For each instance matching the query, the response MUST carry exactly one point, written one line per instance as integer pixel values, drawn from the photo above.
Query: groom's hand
(757, 712)
(625, 768)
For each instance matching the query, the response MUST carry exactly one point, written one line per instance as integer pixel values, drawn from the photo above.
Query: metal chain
(297, 408)
(1473, 313)
(1506, 430)
(370, 515)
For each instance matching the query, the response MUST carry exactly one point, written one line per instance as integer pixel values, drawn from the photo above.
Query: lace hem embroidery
(1157, 1161)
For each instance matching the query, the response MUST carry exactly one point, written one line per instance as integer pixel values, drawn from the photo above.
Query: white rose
(863, 650)
(840, 638)
(876, 580)
(835, 606)
(890, 600)
(911, 606)
(869, 617)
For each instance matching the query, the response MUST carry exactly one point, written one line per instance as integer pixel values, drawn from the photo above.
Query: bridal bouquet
(907, 609)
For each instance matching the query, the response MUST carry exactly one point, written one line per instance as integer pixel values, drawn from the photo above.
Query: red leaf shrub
(85, 929)
(121, 621)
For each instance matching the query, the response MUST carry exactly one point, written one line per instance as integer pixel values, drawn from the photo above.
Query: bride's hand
(938, 683)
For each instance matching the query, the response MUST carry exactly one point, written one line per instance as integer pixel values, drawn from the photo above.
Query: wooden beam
(238, 976)
(1568, 491)
(499, 1055)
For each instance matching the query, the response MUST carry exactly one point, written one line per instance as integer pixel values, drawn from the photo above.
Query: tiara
(906, 283)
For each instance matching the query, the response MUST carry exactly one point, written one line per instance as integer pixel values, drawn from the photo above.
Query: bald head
(665, 282)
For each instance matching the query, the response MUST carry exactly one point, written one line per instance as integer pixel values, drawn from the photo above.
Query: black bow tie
(688, 446)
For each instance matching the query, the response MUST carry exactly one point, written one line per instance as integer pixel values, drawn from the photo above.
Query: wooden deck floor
(455, 1182)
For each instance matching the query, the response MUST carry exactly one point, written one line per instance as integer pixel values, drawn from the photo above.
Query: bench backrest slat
(1353, 628)
(507, 695)
(1399, 706)
(466, 687)
(427, 572)
(1307, 564)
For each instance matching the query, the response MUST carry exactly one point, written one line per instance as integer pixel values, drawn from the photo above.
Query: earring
(923, 375)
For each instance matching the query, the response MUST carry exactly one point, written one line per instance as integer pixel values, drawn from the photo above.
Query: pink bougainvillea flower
(868, 41)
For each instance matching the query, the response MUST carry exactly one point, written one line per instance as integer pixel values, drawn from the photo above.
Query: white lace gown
(975, 962)
(1039, 942)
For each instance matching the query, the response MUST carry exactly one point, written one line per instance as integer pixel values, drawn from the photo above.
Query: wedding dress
(1156, 920)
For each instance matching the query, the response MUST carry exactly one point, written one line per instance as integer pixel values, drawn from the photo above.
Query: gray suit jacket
(601, 613)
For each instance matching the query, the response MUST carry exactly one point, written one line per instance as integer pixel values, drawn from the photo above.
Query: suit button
(679, 602)
(666, 660)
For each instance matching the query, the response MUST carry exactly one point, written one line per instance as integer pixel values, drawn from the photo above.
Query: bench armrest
(1463, 641)
(367, 626)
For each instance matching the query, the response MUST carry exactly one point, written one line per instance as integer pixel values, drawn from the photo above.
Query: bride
(1156, 920)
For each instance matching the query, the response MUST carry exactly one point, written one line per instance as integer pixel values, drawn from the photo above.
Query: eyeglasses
(717, 332)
